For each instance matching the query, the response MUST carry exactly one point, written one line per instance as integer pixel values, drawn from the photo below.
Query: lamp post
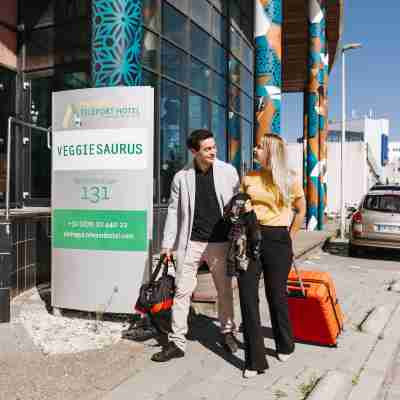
(345, 48)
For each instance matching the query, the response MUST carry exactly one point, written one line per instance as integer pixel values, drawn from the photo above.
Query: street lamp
(345, 48)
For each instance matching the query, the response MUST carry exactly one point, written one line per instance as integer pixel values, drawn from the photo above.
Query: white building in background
(365, 157)
(392, 169)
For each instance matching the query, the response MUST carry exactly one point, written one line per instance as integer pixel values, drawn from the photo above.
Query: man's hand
(166, 253)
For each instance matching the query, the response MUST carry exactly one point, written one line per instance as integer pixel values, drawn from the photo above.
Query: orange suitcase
(314, 310)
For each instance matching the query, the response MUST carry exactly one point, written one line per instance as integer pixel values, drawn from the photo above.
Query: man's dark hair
(197, 136)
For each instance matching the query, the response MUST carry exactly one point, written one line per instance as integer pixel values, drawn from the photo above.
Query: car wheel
(354, 251)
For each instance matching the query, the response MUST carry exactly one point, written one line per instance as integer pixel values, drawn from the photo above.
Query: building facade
(216, 64)
(392, 169)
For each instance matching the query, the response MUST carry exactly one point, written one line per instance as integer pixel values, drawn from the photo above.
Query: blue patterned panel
(274, 11)
(117, 31)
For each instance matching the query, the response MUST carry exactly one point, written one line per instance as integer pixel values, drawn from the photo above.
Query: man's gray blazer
(179, 222)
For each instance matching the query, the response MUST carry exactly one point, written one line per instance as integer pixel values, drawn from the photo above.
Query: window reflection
(235, 42)
(199, 112)
(218, 128)
(41, 89)
(200, 43)
(218, 26)
(247, 55)
(174, 25)
(181, 5)
(150, 50)
(247, 82)
(234, 98)
(234, 70)
(218, 89)
(247, 146)
(172, 135)
(151, 14)
(199, 76)
(234, 140)
(219, 57)
(173, 62)
(201, 13)
(247, 106)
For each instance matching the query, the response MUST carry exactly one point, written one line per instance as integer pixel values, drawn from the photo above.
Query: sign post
(102, 197)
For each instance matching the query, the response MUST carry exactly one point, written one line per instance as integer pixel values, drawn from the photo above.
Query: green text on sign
(100, 230)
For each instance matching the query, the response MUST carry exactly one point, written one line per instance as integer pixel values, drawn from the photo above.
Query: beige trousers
(214, 254)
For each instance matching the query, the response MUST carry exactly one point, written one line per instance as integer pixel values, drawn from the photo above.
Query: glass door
(38, 153)
(7, 109)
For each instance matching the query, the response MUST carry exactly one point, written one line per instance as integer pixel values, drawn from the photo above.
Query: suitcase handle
(299, 278)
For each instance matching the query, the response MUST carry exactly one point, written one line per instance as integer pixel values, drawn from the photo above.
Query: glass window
(173, 128)
(218, 4)
(386, 203)
(65, 80)
(150, 50)
(234, 98)
(218, 92)
(150, 79)
(199, 76)
(247, 81)
(247, 106)
(234, 139)
(33, 15)
(174, 25)
(40, 49)
(234, 11)
(200, 43)
(234, 70)
(69, 9)
(248, 57)
(235, 42)
(219, 57)
(199, 112)
(174, 62)
(180, 5)
(218, 26)
(41, 89)
(247, 146)
(151, 14)
(201, 13)
(218, 128)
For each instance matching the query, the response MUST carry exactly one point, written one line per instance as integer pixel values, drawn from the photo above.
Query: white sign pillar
(102, 197)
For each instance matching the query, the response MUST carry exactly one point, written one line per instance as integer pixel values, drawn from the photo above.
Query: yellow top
(266, 199)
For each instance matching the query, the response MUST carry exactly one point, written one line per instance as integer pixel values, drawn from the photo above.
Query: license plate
(387, 228)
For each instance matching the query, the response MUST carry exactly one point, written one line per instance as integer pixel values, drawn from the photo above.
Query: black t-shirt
(208, 224)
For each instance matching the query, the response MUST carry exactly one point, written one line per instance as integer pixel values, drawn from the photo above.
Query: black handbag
(158, 294)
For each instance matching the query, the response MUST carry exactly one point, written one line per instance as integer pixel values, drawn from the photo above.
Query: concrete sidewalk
(124, 370)
(354, 370)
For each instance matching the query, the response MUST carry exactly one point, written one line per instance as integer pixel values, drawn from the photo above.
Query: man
(194, 224)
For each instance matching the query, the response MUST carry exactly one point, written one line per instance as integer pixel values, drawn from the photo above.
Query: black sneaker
(170, 351)
(229, 342)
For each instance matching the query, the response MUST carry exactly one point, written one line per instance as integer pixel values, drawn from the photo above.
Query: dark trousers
(276, 260)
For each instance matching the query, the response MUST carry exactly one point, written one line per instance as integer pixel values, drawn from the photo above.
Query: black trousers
(276, 261)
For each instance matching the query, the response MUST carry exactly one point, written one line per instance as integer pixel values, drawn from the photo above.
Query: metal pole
(26, 124)
(343, 141)
(8, 168)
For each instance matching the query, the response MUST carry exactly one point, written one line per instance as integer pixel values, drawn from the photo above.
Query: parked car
(376, 223)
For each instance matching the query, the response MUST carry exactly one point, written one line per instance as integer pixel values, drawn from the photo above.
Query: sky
(372, 72)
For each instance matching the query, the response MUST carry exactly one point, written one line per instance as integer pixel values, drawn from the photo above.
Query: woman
(274, 192)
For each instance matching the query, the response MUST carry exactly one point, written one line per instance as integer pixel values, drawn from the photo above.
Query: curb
(379, 361)
(302, 254)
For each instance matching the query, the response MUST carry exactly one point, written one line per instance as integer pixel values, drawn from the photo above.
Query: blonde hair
(277, 162)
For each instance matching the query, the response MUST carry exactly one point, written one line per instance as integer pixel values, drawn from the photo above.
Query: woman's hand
(300, 206)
